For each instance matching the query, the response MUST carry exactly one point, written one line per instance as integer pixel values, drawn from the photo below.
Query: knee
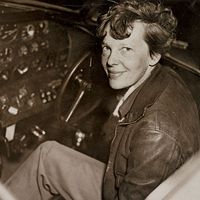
(50, 153)
(46, 147)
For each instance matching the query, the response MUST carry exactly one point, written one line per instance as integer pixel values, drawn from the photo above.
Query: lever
(84, 85)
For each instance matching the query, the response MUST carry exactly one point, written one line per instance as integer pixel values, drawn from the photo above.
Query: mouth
(114, 75)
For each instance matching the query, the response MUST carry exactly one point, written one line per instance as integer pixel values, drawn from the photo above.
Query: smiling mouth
(114, 75)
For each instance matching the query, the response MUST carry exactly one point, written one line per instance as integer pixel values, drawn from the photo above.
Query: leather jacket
(158, 131)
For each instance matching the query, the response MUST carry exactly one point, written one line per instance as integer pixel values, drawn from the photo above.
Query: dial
(28, 32)
(8, 32)
(6, 55)
(44, 26)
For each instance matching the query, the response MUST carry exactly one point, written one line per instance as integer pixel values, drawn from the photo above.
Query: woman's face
(126, 61)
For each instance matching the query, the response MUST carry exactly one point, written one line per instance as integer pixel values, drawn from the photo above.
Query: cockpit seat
(184, 184)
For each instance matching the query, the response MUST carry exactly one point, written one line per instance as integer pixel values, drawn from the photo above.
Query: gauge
(28, 32)
(44, 26)
(8, 32)
(44, 44)
(6, 55)
(34, 47)
(23, 50)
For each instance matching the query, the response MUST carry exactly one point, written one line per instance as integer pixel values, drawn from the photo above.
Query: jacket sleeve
(154, 155)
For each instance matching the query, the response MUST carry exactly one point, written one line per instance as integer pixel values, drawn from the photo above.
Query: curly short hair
(160, 23)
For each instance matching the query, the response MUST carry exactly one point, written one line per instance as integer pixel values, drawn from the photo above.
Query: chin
(116, 86)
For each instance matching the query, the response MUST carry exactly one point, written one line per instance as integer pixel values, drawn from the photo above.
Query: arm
(154, 155)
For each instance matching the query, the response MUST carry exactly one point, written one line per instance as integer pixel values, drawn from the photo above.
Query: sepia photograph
(99, 99)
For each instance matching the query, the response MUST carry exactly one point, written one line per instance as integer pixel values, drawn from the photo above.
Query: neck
(145, 75)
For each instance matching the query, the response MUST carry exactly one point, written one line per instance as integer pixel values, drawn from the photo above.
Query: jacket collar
(145, 95)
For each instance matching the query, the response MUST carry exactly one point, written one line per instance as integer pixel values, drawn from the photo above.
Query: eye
(105, 50)
(126, 49)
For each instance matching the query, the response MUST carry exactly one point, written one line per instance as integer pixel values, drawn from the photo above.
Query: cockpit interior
(52, 86)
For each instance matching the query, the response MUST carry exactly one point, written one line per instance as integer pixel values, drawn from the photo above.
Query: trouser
(56, 169)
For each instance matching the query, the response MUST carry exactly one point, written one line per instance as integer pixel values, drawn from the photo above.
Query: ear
(154, 59)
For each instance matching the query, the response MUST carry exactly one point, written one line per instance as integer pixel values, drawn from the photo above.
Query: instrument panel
(35, 56)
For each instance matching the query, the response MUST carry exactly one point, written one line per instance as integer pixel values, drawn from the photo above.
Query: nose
(113, 59)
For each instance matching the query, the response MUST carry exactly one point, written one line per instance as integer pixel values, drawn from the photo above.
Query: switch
(12, 110)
